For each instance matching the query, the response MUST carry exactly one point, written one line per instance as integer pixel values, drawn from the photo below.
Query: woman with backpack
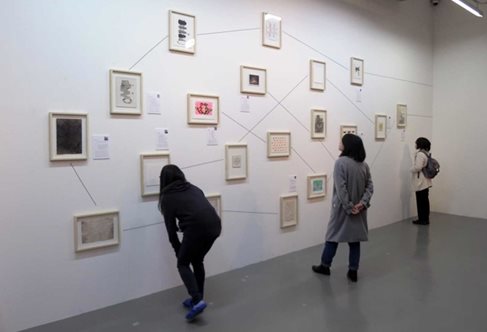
(421, 183)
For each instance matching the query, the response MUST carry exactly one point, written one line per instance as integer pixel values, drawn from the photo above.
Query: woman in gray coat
(352, 191)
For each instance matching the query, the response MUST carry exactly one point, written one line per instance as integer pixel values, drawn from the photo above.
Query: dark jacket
(188, 204)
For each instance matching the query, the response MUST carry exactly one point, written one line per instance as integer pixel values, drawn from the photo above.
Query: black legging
(423, 205)
(192, 251)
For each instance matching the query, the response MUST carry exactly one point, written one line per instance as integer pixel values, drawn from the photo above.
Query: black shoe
(352, 275)
(417, 222)
(321, 269)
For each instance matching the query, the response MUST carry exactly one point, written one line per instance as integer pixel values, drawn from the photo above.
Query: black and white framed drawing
(182, 32)
(380, 126)
(271, 30)
(253, 80)
(402, 115)
(317, 75)
(68, 136)
(125, 92)
(96, 230)
(151, 165)
(318, 124)
(236, 163)
(289, 210)
(356, 71)
(348, 129)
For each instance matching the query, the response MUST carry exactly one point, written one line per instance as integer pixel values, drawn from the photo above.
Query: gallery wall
(56, 58)
(460, 71)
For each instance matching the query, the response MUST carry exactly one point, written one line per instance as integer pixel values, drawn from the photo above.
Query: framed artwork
(68, 136)
(150, 170)
(236, 162)
(380, 126)
(402, 115)
(216, 201)
(203, 109)
(317, 184)
(289, 210)
(125, 92)
(348, 129)
(96, 230)
(253, 80)
(182, 32)
(278, 144)
(318, 124)
(271, 30)
(317, 75)
(356, 71)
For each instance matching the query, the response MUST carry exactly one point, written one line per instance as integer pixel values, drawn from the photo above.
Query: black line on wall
(204, 163)
(82, 183)
(143, 226)
(238, 123)
(351, 101)
(226, 31)
(251, 212)
(147, 53)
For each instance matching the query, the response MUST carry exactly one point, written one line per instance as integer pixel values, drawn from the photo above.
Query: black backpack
(432, 167)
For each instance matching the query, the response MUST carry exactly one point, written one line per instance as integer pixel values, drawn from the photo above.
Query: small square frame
(96, 230)
(125, 92)
(318, 124)
(179, 42)
(203, 109)
(356, 71)
(278, 144)
(253, 80)
(380, 126)
(236, 161)
(317, 185)
(317, 75)
(215, 200)
(401, 115)
(289, 215)
(151, 164)
(271, 30)
(68, 136)
(348, 129)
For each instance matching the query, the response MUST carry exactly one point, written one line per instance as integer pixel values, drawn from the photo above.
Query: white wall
(460, 77)
(56, 56)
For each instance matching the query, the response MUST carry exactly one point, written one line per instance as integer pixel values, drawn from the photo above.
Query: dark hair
(169, 174)
(423, 144)
(353, 147)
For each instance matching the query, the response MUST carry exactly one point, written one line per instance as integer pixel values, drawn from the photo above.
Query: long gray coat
(352, 184)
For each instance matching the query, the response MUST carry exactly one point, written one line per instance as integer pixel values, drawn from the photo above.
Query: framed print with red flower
(203, 109)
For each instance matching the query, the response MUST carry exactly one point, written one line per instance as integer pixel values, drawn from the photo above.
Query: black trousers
(192, 251)
(423, 204)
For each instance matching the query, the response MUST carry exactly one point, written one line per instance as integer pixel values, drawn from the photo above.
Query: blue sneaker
(196, 310)
(188, 303)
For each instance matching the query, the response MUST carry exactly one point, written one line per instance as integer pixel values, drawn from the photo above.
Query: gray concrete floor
(412, 278)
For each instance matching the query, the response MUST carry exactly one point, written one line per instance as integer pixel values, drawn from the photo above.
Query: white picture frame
(151, 164)
(289, 215)
(401, 115)
(253, 80)
(215, 199)
(317, 185)
(380, 126)
(96, 230)
(278, 144)
(317, 75)
(203, 109)
(271, 30)
(182, 32)
(125, 92)
(318, 124)
(68, 136)
(236, 161)
(356, 71)
(348, 129)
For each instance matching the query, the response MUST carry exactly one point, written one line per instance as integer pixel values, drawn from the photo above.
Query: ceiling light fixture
(469, 7)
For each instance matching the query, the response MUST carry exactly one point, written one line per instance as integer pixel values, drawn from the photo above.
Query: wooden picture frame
(151, 164)
(68, 136)
(348, 129)
(318, 124)
(278, 144)
(253, 80)
(125, 92)
(215, 200)
(182, 32)
(236, 161)
(203, 109)
(356, 71)
(317, 185)
(289, 216)
(402, 115)
(96, 230)
(271, 30)
(380, 126)
(317, 75)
